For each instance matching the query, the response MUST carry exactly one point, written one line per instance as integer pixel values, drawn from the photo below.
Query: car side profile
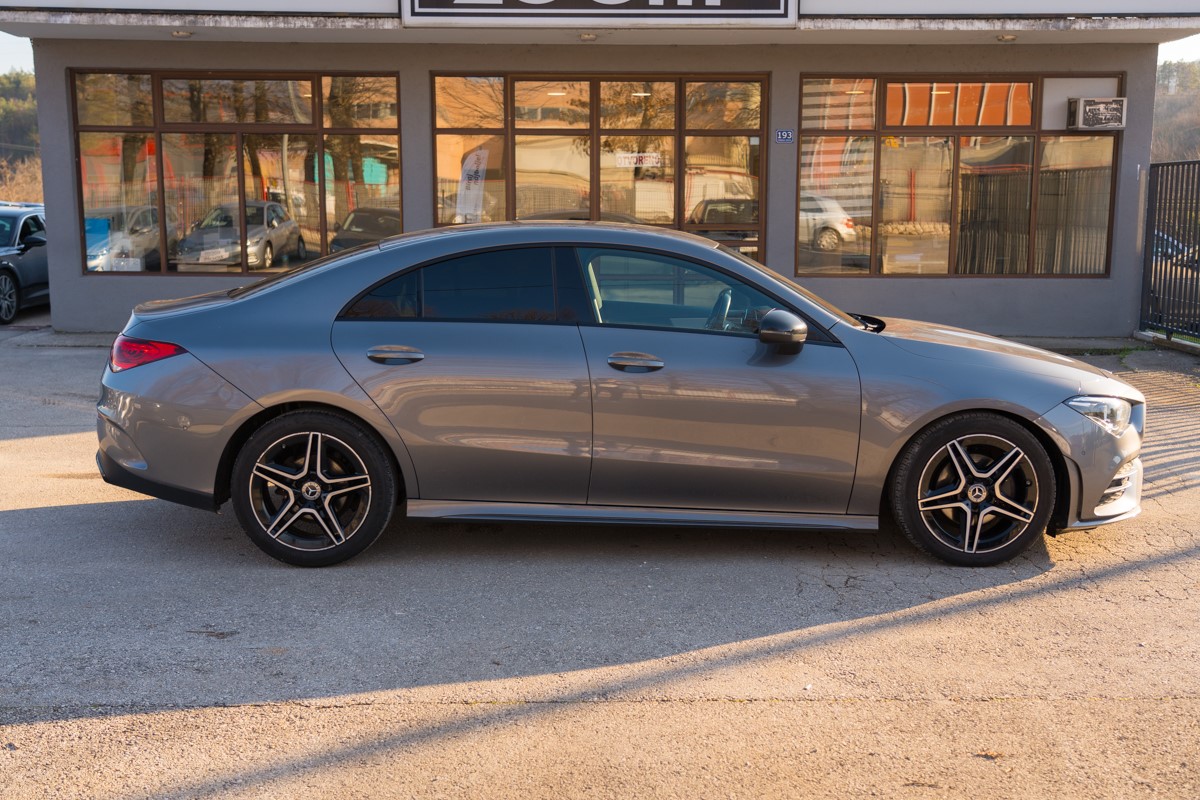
(24, 280)
(607, 373)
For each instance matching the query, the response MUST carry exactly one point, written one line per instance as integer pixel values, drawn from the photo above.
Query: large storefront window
(946, 177)
(234, 173)
(609, 149)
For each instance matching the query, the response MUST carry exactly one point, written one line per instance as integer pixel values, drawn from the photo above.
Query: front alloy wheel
(975, 489)
(312, 488)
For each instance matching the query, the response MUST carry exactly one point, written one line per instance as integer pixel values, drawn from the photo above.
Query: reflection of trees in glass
(718, 104)
(114, 99)
(637, 105)
(470, 102)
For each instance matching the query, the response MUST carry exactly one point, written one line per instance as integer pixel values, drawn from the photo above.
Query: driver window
(631, 287)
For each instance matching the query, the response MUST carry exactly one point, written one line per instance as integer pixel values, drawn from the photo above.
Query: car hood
(956, 345)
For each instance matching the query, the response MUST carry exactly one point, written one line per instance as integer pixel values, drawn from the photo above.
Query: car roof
(555, 231)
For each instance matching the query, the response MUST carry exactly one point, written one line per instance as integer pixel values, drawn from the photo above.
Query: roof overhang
(812, 30)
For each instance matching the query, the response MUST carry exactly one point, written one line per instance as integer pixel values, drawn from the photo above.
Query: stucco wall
(1044, 306)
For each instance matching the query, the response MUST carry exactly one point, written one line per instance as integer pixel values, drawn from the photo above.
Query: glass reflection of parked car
(725, 211)
(1168, 248)
(271, 234)
(126, 238)
(363, 225)
(23, 280)
(823, 224)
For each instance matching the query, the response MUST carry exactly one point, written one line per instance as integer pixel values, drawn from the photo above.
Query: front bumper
(1104, 471)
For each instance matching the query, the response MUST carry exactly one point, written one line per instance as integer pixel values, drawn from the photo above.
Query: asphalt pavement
(149, 650)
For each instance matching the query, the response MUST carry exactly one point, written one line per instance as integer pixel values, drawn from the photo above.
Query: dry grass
(21, 181)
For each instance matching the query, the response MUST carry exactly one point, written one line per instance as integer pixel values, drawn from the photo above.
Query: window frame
(595, 134)
(1037, 130)
(159, 128)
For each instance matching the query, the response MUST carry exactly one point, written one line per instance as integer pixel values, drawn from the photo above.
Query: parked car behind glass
(215, 241)
(126, 239)
(365, 224)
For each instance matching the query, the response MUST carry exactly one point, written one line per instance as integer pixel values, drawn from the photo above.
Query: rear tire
(313, 488)
(973, 489)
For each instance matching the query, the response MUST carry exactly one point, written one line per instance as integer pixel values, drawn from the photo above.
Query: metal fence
(1171, 273)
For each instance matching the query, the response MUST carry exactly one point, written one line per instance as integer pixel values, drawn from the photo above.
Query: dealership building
(981, 170)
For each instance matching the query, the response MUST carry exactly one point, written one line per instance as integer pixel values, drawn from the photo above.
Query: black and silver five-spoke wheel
(312, 488)
(973, 489)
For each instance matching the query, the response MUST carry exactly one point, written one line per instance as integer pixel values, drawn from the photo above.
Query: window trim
(1037, 131)
(595, 134)
(160, 127)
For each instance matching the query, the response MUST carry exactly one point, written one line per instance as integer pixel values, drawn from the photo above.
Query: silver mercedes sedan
(597, 372)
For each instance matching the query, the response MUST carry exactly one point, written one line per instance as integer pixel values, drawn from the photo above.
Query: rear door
(478, 362)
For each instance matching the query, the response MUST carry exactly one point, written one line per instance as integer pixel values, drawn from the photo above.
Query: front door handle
(635, 362)
(394, 354)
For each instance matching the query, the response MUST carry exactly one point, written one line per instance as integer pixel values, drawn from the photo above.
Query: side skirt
(628, 515)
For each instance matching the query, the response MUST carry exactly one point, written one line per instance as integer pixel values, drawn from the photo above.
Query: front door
(692, 411)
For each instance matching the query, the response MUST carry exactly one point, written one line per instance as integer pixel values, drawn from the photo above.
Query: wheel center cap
(977, 493)
(311, 490)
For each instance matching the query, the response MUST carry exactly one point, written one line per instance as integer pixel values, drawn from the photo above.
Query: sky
(16, 53)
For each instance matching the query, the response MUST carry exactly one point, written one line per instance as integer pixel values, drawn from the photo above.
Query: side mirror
(784, 329)
(34, 240)
(337, 226)
(274, 223)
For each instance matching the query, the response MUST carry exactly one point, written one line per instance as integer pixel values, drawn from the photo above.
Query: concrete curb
(1160, 340)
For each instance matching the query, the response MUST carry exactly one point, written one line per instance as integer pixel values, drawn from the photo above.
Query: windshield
(791, 284)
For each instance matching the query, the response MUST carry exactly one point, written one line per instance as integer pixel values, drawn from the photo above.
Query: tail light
(128, 352)
(848, 222)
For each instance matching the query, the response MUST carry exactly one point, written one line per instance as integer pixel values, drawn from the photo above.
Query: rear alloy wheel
(313, 488)
(301, 250)
(973, 489)
(10, 298)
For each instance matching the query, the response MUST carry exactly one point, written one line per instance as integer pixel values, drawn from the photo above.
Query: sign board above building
(602, 12)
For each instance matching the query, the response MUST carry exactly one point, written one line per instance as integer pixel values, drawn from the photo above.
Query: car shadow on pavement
(163, 606)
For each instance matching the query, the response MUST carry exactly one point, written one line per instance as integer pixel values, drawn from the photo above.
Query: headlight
(1110, 413)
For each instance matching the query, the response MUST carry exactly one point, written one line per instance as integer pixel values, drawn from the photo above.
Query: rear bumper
(117, 475)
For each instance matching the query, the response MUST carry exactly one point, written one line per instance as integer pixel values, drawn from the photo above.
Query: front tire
(313, 488)
(973, 489)
(10, 298)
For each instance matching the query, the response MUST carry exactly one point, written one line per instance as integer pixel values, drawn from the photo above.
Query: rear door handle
(394, 354)
(635, 362)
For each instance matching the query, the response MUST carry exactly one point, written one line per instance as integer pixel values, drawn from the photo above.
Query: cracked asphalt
(149, 650)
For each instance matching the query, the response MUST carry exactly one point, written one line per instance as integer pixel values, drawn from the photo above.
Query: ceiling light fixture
(557, 94)
(587, 37)
(1006, 38)
(181, 34)
(641, 94)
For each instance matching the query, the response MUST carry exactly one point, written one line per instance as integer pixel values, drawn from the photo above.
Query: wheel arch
(224, 476)
(1064, 482)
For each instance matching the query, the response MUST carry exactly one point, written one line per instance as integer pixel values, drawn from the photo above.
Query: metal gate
(1171, 272)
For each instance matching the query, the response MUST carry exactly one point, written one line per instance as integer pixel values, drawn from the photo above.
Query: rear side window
(514, 285)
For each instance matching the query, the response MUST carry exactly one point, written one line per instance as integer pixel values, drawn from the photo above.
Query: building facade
(926, 165)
